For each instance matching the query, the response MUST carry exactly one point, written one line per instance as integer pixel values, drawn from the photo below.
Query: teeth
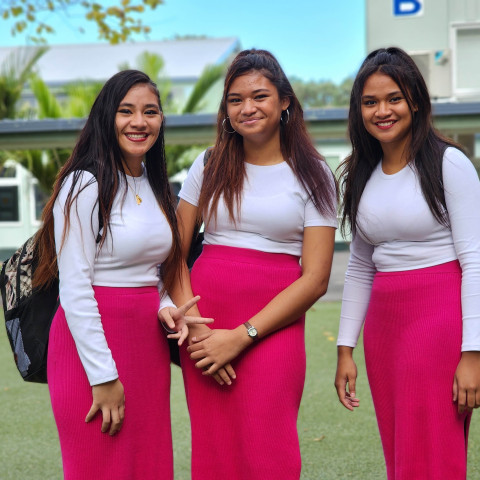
(136, 136)
(384, 124)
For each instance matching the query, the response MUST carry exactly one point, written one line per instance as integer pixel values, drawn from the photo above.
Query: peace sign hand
(175, 322)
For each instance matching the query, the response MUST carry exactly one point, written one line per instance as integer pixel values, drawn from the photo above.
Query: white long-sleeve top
(274, 211)
(396, 231)
(140, 239)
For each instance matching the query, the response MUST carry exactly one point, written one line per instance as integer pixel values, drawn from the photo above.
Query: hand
(108, 397)
(346, 373)
(217, 348)
(466, 382)
(223, 375)
(177, 322)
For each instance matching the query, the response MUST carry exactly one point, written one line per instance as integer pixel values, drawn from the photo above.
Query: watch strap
(251, 330)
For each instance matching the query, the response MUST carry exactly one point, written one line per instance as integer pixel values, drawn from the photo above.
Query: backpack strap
(207, 154)
(196, 244)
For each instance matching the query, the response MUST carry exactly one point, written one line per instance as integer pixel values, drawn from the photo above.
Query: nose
(138, 120)
(249, 106)
(383, 109)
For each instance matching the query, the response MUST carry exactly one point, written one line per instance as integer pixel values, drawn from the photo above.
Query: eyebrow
(254, 92)
(148, 105)
(396, 92)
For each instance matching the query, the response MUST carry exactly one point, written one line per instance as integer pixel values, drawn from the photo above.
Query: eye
(125, 111)
(396, 99)
(368, 103)
(261, 96)
(233, 100)
(152, 112)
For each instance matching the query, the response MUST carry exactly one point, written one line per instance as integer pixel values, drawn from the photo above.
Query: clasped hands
(213, 350)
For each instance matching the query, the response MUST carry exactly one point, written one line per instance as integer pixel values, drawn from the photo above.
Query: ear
(285, 103)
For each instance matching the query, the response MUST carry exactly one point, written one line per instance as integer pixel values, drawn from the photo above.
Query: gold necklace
(138, 199)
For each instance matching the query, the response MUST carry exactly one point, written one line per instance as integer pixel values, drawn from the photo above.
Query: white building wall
(14, 232)
(443, 36)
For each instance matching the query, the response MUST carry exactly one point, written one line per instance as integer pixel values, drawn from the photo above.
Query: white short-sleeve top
(275, 210)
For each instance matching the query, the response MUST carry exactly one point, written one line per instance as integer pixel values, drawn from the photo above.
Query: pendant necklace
(138, 199)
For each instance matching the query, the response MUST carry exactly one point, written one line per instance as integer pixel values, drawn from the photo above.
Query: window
(39, 202)
(9, 211)
(466, 70)
(8, 170)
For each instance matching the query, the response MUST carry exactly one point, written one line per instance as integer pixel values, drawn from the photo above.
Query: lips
(386, 124)
(250, 121)
(136, 137)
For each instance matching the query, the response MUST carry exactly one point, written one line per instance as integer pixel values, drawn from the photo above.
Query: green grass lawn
(335, 443)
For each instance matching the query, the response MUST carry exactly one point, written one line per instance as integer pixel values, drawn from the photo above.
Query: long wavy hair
(225, 169)
(425, 148)
(97, 151)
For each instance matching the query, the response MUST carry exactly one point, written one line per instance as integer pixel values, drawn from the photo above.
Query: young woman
(411, 197)
(111, 227)
(268, 200)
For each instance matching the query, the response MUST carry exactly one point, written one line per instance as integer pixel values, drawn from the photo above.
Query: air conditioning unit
(435, 66)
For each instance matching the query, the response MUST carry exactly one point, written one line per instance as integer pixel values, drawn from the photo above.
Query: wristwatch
(252, 331)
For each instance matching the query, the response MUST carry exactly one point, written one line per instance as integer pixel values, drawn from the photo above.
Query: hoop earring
(223, 126)
(288, 117)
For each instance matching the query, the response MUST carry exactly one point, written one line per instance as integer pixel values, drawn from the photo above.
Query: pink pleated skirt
(246, 431)
(143, 448)
(412, 339)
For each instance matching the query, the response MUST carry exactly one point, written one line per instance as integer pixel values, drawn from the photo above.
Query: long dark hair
(97, 151)
(426, 146)
(225, 169)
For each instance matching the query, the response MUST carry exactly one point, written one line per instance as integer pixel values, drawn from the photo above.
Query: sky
(312, 39)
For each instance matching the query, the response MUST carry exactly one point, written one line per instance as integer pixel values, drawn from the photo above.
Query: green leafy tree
(322, 94)
(182, 156)
(44, 164)
(80, 98)
(115, 23)
(154, 66)
(14, 73)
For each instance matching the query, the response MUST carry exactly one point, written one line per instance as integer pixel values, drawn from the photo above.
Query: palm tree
(14, 73)
(44, 164)
(153, 65)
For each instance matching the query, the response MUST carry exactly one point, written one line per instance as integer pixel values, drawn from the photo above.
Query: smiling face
(254, 107)
(138, 121)
(385, 112)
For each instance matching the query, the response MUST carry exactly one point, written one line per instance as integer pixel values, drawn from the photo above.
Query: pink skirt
(247, 430)
(412, 339)
(143, 447)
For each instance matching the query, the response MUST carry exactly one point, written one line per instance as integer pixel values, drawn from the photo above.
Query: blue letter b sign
(407, 7)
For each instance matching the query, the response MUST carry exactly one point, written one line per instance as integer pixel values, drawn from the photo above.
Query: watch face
(252, 331)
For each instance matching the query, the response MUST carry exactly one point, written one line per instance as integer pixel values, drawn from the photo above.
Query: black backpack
(28, 312)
